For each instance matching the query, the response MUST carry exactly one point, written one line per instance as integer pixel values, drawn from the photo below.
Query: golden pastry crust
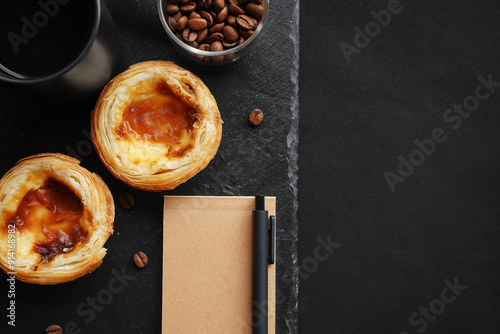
(95, 220)
(163, 155)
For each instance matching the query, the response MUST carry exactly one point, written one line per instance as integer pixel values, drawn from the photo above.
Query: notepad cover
(207, 265)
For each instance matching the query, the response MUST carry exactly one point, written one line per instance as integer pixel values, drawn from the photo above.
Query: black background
(397, 248)
(394, 250)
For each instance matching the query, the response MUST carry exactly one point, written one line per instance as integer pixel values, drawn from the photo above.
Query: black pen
(263, 254)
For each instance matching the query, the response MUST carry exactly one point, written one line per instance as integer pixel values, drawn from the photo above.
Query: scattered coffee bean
(126, 200)
(256, 116)
(140, 259)
(203, 22)
(53, 329)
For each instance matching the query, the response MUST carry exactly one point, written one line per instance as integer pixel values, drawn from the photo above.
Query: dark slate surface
(251, 160)
(393, 252)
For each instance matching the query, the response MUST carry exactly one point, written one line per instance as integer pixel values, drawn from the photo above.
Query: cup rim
(5, 77)
(199, 52)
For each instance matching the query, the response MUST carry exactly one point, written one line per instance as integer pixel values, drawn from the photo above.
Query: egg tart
(156, 125)
(55, 217)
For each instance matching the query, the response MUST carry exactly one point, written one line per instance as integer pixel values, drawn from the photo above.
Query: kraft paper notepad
(207, 265)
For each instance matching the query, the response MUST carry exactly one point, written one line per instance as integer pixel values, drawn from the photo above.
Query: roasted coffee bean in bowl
(213, 32)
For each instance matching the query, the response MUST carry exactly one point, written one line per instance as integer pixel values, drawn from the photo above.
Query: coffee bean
(186, 9)
(204, 47)
(53, 329)
(222, 16)
(177, 16)
(227, 45)
(185, 34)
(215, 37)
(203, 22)
(202, 35)
(197, 24)
(182, 23)
(207, 17)
(172, 23)
(245, 22)
(194, 15)
(235, 10)
(140, 259)
(231, 20)
(172, 9)
(219, 4)
(256, 116)
(193, 35)
(126, 200)
(245, 33)
(193, 44)
(241, 40)
(230, 34)
(217, 46)
(216, 28)
(255, 11)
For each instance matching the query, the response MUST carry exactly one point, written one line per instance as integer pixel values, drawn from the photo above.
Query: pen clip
(271, 228)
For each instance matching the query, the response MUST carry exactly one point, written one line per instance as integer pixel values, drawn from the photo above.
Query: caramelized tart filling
(51, 214)
(158, 115)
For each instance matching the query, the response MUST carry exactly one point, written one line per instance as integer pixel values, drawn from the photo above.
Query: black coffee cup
(61, 50)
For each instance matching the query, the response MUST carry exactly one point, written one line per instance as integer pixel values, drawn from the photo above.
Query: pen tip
(260, 202)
